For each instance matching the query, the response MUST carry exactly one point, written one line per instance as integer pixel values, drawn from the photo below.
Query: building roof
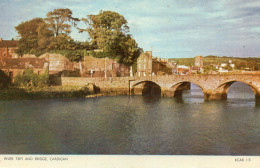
(8, 43)
(195, 68)
(183, 67)
(97, 63)
(53, 57)
(23, 63)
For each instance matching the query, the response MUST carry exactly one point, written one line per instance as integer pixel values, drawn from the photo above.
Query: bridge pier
(210, 95)
(257, 99)
(167, 93)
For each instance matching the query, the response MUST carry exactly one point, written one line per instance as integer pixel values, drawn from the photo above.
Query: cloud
(172, 28)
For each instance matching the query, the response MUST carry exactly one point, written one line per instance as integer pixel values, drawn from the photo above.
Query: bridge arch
(176, 89)
(145, 87)
(223, 88)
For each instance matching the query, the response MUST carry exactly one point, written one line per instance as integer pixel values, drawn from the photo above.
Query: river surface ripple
(133, 125)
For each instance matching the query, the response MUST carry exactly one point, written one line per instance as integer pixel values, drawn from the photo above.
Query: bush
(31, 79)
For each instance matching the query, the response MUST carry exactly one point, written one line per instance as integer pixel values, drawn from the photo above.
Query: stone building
(59, 63)
(198, 61)
(198, 68)
(183, 70)
(158, 67)
(101, 67)
(14, 66)
(7, 49)
(144, 64)
(147, 65)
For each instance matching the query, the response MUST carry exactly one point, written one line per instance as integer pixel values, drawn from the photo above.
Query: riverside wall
(111, 85)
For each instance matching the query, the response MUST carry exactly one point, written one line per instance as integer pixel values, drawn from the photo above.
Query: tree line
(211, 61)
(108, 32)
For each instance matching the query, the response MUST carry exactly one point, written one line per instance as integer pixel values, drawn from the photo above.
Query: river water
(133, 125)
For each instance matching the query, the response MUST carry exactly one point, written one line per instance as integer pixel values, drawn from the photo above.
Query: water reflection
(131, 125)
(149, 98)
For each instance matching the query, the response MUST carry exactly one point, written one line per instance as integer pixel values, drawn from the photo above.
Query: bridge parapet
(213, 86)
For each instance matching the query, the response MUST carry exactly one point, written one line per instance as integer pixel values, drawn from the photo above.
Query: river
(133, 125)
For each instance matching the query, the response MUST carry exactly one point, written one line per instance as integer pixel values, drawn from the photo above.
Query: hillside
(240, 63)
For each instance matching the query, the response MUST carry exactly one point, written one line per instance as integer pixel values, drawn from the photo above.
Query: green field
(240, 63)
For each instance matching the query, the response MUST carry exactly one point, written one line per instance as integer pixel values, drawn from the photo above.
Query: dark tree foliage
(108, 32)
(29, 35)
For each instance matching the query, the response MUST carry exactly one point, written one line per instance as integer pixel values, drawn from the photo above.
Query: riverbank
(50, 92)
(20, 93)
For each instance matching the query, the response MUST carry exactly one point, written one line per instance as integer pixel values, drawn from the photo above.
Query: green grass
(19, 93)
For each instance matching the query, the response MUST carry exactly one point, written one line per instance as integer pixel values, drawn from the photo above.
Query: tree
(59, 21)
(41, 35)
(252, 64)
(29, 35)
(45, 36)
(241, 65)
(109, 32)
(104, 27)
(29, 28)
(128, 50)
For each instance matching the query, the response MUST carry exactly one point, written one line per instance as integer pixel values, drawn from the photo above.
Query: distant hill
(253, 63)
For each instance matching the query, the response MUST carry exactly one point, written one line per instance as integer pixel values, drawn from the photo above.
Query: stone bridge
(214, 87)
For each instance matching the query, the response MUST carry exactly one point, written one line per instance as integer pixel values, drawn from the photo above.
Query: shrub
(31, 79)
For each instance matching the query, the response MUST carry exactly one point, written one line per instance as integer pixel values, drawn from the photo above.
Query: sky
(168, 28)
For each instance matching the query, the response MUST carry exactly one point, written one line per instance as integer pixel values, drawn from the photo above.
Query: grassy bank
(15, 93)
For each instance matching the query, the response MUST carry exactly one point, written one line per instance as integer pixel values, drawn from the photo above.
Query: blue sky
(170, 28)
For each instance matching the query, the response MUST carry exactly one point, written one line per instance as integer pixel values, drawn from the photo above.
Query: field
(240, 63)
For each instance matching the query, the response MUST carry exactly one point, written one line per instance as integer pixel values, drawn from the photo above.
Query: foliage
(28, 32)
(38, 36)
(72, 55)
(62, 42)
(184, 61)
(105, 28)
(29, 28)
(240, 63)
(59, 21)
(109, 32)
(209, 68)
(75, 56)
(31, 79)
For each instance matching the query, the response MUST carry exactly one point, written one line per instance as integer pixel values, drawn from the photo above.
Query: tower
(198, 61)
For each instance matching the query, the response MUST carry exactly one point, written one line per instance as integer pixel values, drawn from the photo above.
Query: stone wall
(14, 66)
(58, 63)
(7, 48)
(96, 67)
(115, 85)
(214, 87)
